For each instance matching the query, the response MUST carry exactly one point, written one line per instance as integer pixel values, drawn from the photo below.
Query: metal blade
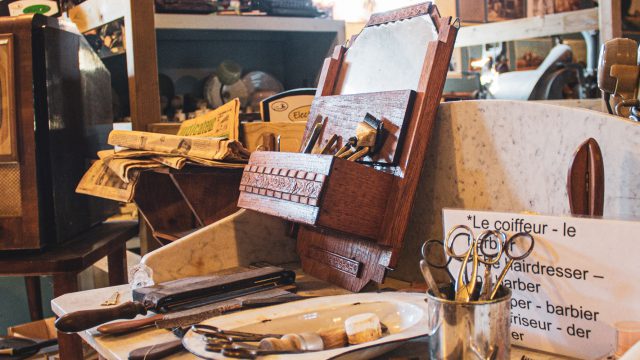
(197, 315)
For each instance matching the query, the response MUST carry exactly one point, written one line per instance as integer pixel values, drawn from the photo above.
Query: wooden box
(296, 187)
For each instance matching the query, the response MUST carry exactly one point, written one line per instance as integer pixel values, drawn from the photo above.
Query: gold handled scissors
(490, 259)
(465, 290)
(508, 249)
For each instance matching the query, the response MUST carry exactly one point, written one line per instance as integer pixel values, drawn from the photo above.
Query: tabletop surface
(76, 255)
(118, 347)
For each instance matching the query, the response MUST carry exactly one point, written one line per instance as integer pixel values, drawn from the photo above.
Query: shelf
(292, 49)
(246, 23)
(527, 28)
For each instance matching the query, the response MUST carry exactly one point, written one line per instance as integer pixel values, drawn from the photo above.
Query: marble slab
(483, 155)
(118, 347)
(514, 156)
(237, 240)
(112, 347)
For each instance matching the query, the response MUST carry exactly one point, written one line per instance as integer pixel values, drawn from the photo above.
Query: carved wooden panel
(287, 184)
(400, 14)
(333, 257)
(336, 261)
(295, 187)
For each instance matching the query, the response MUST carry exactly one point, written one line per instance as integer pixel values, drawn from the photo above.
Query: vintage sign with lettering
(289, 106)
(580, 279)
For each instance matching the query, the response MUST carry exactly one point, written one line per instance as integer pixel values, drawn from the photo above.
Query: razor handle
(86, 319)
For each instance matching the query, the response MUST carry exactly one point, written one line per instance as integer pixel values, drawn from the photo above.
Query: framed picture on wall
(531, 53)
(8, 140)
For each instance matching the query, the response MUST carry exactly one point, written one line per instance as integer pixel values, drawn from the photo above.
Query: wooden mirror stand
(354, 216)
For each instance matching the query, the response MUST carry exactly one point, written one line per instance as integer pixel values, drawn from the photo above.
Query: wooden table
(65, 261)
(192, 197)
(118, 347)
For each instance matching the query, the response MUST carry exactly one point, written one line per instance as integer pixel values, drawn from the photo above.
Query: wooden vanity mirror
(386, 57)
(354, 215)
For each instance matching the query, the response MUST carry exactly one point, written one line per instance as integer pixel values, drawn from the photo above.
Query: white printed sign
(580, 279)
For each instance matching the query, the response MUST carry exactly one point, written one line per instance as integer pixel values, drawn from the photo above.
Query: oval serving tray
(404, 314)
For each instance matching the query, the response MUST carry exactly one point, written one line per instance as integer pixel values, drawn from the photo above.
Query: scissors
(490, 260)
(507, 249)
(464, 290)
(430, 261)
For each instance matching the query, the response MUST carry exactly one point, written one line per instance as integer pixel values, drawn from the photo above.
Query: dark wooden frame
(349, 257)
(7, 87)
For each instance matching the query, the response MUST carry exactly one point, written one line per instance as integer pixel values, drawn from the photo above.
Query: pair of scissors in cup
(429, 260)
(465, 288)
(465, 285)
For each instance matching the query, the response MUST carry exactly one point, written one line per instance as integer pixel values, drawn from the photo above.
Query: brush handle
(127, 326)
(86, 319)
(322, 340)
(156, 352)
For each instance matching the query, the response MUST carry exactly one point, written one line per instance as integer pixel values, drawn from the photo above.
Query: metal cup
(472, 330)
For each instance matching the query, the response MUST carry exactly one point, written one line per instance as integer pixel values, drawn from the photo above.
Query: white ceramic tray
(404, 314)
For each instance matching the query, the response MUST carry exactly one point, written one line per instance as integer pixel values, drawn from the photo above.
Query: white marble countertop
(112, 347)
(118, 347)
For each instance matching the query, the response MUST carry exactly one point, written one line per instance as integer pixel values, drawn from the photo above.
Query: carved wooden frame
(376, 258)
(378, 203)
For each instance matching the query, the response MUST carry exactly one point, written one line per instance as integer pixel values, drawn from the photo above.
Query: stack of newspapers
(209, 140)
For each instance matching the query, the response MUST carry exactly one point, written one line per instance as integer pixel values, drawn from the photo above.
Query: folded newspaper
(114, 176)
(100, 181)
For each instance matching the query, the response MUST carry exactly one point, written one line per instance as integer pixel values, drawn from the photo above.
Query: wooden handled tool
(24, 351)
(315, 134)
(193, 316)
(86, 319)
(125, 327)
(322, 340)
(180, 295)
